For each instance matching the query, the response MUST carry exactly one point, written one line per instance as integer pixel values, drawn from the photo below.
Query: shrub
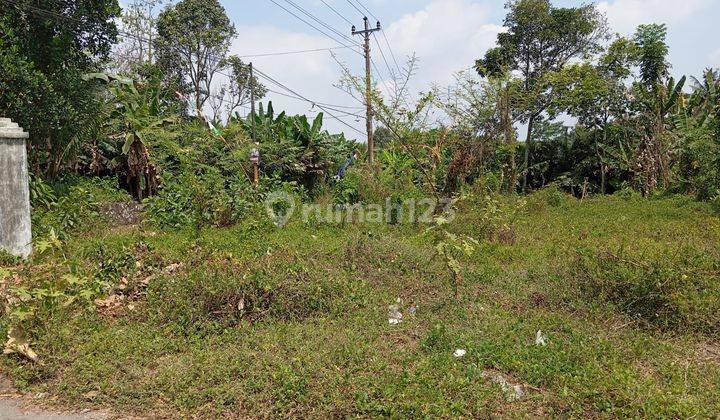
(71, 205)
(489, 216)
(220, 291)
(198, 200)
(674, 290)
(551, 196)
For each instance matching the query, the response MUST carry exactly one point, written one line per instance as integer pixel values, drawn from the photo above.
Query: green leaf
(129, 140)
(99, 76)
(317, 124)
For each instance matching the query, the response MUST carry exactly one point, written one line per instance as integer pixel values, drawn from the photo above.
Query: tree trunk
(602, 163)
(528, 144)
(507, 125)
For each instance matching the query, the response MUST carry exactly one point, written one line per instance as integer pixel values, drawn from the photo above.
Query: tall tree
(45, 48)
(542, 39)
(242, 84)
(238, 91)
(597, 95)
(193, 40)
(658, 94)
(139, 22)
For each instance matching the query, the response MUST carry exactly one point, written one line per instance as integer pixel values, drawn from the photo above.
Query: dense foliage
(45, 49)
(636, 126)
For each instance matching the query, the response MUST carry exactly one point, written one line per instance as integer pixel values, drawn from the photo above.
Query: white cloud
(447, 36)
(625, 15)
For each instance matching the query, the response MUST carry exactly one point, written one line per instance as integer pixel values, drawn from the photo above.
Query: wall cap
(10, 130)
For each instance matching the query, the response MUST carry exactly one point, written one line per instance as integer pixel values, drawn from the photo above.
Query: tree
(45, 48)
(481, 115)
(383, 137)
(596, 95)
(699, 130)
(133, 115)
(657, 96)
(193, 39)
(238, 91)
(650, 40)
(242, 84)
(542, 39)
(139, 21)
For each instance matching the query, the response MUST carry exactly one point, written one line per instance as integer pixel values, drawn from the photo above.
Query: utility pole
(255, 155)
(368, 87)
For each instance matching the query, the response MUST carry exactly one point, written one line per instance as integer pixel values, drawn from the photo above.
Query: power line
(295, 52)
(313, 17)
(336, 12)
(391, 51)
(378, 76)
(264, 75)
(314, 103)
(312, 26)
(382, 53)
(355, 7)
(366, 9)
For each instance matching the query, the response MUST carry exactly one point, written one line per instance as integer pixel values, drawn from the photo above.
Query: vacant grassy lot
(261, 322)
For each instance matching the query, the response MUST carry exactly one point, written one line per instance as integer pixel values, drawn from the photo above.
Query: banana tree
(705, 100)
(294, 148)
(134, 116)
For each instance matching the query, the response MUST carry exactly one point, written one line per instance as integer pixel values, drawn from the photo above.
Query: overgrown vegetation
(281, 322)
(156, 257)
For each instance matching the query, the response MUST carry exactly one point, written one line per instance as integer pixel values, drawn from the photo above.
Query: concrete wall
(15, 232)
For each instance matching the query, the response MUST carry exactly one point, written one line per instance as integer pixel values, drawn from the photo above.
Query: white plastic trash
(394, 315)
(540, 339)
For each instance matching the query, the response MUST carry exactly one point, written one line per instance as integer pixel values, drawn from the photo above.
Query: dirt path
(15, 406)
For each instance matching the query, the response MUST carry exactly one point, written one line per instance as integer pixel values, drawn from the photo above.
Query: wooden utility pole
(255, 157)
(368, 86)
(252, 104)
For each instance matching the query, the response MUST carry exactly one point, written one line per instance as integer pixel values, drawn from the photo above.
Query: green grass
(314, 340)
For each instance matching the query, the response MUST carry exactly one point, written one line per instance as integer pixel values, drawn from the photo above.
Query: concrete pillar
(15, 232)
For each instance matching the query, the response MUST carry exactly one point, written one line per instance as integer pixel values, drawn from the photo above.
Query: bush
(220, 291)
(675, 290)
(551, 196)
(71, 204)
(211, 199)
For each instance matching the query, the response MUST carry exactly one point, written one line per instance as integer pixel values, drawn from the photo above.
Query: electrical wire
(330, 28)
(337, 13)
(391, 52)
(315, 103)
(320, 105)
(366, 9)
(356, 8)
(313, 26)
(382, 53)
(271, 79)
(294, 52)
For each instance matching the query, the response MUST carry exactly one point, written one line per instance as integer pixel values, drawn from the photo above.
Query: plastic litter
(18, 343)
(459, 353)
(513, 392)
(540, 339)
(394, 315)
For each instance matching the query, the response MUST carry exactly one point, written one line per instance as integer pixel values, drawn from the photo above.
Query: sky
(445, 35)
